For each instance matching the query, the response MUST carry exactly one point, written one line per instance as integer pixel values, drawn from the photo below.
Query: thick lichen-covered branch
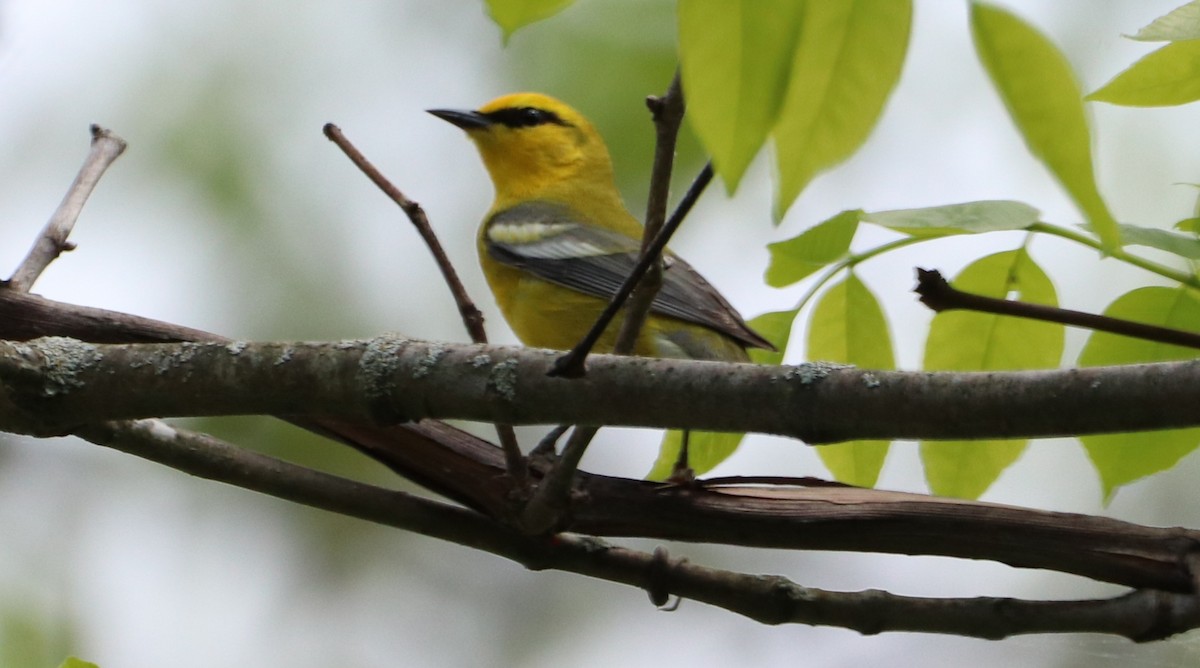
(390, 379)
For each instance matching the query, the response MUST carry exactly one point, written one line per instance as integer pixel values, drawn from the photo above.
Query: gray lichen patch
(810, 372)
(481, 360)
(235, 348)
(63, 360)
(503, 379)
(285, 355)
(378, 364)
(871, 380)
(434, 353)
(187, 350)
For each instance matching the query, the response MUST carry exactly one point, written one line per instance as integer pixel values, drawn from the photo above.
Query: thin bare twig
(471, 316)
(551, 500)
(571, 365)
(52, 242)
(667, 112)
(939, 295)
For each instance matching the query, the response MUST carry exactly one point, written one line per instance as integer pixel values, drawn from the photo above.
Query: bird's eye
(532, 116)
(524, 117)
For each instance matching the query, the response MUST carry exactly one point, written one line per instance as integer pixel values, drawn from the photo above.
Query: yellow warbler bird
(558, 241)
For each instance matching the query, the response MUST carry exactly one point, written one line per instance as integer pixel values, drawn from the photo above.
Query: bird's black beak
(467, 120)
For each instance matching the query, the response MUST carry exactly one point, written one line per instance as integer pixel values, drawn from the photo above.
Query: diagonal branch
(472, 318)
(52, 242)
(667, 112)
(570, 365)
(550, 500)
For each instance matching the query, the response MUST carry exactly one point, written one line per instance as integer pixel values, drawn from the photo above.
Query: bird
(558, 240)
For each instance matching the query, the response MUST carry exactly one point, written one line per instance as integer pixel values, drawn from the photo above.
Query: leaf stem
(1118, 254)
(852, 260)
(1044, 228)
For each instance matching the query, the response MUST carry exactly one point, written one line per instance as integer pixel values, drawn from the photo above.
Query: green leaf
(968, 218)
(1187, 246)
(513, 14)
(965, 469)
(1179, 24)
(735, 57)
(846, 62)
(1167, 77)
(775, 327)
(827, 242)
(849, 326)
(1122, 458)
(72, 662)
(971, 341)
(706, 449)
(1189, 225)
(1042, 96)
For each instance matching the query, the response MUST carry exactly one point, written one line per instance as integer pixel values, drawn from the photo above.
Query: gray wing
(546, 240)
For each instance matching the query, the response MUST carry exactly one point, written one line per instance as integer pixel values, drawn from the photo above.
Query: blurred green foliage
(29, 638)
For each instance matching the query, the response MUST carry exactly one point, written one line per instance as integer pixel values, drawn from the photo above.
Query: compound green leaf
(965, 218)
(513, 14)
(1043, 98)
(1122, 458)
(827, 242)
(970, 341)
(735, 57)
(1167, 77)
(846, 63)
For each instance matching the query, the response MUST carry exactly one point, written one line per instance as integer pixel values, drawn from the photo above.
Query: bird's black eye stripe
(524, 117)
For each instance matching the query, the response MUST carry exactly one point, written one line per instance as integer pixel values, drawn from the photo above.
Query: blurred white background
(231, 212)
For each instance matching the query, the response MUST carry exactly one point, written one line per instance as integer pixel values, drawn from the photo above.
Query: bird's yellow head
(535, 146)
